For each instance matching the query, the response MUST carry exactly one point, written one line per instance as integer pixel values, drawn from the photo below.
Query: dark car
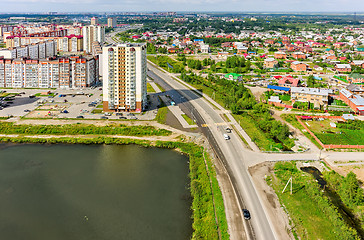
(79, 117)
(122, 117)
(246, 214)
(65, 111)
(26, 110)
(119, 114)
(103, 117)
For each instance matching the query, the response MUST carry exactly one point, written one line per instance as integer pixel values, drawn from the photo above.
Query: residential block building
(91, 34)
(316, 96)
(270, 63)
(124, 77)
(74, 72)
(111, 22)
(298, 66)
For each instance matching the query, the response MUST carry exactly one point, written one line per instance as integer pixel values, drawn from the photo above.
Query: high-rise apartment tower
(124, 77)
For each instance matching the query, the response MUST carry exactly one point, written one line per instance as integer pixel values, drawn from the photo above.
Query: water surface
(93, 192)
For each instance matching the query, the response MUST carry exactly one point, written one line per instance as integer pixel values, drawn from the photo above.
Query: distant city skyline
(21, 6)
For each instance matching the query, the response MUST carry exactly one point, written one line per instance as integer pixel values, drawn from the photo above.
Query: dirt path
(270, 200)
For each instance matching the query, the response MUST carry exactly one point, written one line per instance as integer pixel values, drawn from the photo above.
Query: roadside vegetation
(162, 112)
(82, 129)
(312, 213)
(350, 132)
(188, 119)
(268, 133)
(150, 89)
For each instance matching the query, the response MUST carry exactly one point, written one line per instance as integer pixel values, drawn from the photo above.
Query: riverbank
(209, 221)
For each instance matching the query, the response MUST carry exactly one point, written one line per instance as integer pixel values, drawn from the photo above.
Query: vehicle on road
(228, 130)
(246, 214)
(26, 110)
(64, 111)
(32, 96)
(119, 114)
(107, 114)
(104, 117)
(226, 137)
(122, 118)
(79, 117)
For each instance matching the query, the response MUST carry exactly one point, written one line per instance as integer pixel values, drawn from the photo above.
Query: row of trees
(239, 100)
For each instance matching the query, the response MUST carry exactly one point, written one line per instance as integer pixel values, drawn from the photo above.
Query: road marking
(214, 124)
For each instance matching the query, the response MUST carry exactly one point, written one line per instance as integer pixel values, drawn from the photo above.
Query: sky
(10, 6)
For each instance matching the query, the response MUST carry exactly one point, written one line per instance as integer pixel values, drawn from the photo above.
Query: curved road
(231, 152)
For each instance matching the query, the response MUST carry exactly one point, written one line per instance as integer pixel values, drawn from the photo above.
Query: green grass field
(188, 119)
(312, 214)
(150, 89)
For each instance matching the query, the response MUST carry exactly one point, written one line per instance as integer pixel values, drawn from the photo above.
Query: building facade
(111, 22)
(91, 34)
(124, 77)
(73, 72)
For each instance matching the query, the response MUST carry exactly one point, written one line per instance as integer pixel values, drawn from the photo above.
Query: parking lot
(68, 103)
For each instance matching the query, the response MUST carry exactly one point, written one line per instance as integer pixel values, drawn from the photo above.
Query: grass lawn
(254, 133)
(41, 95)
(150, 88)
(313, 217)
(100, 106)
(162, 113)
(292, 120)
(97, 111)
(188, 119)
(308, 220)
(160, 87)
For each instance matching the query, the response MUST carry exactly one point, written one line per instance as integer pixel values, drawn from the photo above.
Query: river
(93, 192)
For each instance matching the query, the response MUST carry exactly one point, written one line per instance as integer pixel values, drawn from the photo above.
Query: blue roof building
(278, 88)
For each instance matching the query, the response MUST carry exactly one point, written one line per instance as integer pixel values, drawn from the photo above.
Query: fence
(328, 146)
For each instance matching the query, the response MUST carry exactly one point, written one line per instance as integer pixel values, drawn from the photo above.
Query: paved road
(232, 152)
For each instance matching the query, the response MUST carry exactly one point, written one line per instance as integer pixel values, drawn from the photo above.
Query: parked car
(65, 111)
(119, 114)
(79, 117)
(104, 117)
(107, 114)
(31, 96)
(246, 214)
(133, 118)
(122, 117)
(26, 110)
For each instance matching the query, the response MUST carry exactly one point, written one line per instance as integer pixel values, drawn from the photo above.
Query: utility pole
(289, 180)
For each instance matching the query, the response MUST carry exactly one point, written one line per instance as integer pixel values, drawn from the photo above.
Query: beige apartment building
(124, 77)
(319, 97)
(73, 72)
(111, 22)
(91, 34)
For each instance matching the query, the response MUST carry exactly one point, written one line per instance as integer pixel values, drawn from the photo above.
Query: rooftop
(311, 91)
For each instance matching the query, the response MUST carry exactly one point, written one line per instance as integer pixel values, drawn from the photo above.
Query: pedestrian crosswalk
(214, 124)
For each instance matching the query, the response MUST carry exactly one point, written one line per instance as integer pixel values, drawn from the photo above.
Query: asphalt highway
(231, 152)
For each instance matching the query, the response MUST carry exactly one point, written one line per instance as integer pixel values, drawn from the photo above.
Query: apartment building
(111, 22)
(70, 43)
(73, 72)
(270, 63)
(92, 33)
(316, 96)
(94, 20)
(124, 77)
(33, 51)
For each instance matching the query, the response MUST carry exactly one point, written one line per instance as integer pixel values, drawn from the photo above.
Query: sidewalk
(177, 112)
